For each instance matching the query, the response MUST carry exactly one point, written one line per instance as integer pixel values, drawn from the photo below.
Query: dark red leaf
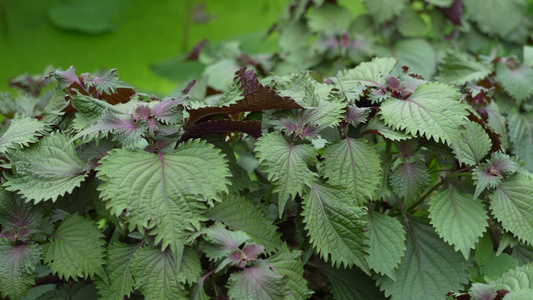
(195, 52)
(453, 12)
(252, 128)
(256, 97)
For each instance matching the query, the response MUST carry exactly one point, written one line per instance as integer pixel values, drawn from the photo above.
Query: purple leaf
(454, 12)
(168, 111)
(357, 115)
(66, 78)
(252, 251)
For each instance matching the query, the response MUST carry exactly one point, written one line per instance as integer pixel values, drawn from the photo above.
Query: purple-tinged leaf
(17, 263)
(222, 242)
(407, 148)
(168, 111)
(106, 84)
(393, 82)
(256, 97)
(357, 115)
(17, 214)
(257, 282)
(142, 112)
(252, 128)
(453, 12)
(195, 52)
(66, 78)
(490, 174)
(252, 251)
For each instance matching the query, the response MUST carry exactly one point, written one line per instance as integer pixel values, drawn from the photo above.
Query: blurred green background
(130, 35)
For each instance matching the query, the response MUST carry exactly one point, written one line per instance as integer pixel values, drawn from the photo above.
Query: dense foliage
(400, 167)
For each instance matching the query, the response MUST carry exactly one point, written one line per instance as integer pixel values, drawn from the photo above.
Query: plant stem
(269, 195)
(460, 174)
(426, 195)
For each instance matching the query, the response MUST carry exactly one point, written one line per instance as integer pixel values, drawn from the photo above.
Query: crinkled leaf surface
(386, 238)
(76, 249)
(46, 170)
(118, 265)
(335, 226)
(491, 173)
(348, 284)
(369, 73)
(353, 164)
(22, 131)
(163, 192)
(108, 83)
(521, 136)
(516, 81)
(190, 268)
(17, 264)
(512, 204)
(408, 180)
(520, 278)
(286, 165)
(459, 68)
(433, 110)
(473, 144)
(458, 219)
(495, 16)
(221, 242)
(289, 264)
(385, 10)
(257, 282)
(239, 214)
(156, 274)
(429, 269)
(15, 213)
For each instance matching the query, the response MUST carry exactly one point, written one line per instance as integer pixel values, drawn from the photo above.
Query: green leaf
(442, 3)
(163, 192)
(46, 170)
(118, 271)
(411, 24)
(329, 19)
(17, 265)
(473, 144)
(499, 17)
(516, 279)
(516, 81)
(429, 269)
(433, 110)
(88, 110)
(497, 265)
(335, 226)
(369, 73)
(385, 10)
(190, 268)
(491, 173)
(239, 214)
(408, 180)
(289, 264)
(349, 284)
(484, 249)
(156, 274)
(512, 204)
(459, 68)
(523, 253)
(417, 54)
(257, 282)
(521, 136)
(286, 165)
(353, 164)
(22, 131)
(377, 126)
(76, 249)
(458, 219)
(108, 83)
(387, 243)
